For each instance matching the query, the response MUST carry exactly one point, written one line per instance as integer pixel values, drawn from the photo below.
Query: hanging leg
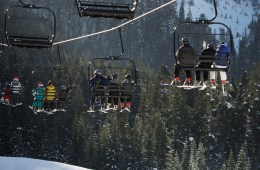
(213, 78)
(223, 77)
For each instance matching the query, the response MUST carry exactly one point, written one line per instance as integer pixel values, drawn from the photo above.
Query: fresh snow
(229, 105)
(16, 163)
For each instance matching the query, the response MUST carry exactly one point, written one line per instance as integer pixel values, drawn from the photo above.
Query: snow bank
(15, 163)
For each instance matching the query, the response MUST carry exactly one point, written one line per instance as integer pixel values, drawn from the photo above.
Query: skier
(127, 86)
(16, 89)
(114, 90)
(223, 56)
(98, 79)
(38, 94)
(50, 95)
(209, 51)
(185, 56)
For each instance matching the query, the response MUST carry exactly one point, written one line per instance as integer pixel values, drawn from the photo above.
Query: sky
(16, 163)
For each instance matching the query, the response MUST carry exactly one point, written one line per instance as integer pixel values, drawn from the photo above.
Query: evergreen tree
(200, 157)
(177, 163)
(193, 158)
(191, 2)
(242, 160)
(230, 161)
(170, 162)
(182, 12)
(185, 155)
(161, 145)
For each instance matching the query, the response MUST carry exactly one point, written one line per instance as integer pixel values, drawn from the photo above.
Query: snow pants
(223, 74)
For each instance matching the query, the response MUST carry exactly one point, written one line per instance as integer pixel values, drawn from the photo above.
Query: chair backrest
(187, 60)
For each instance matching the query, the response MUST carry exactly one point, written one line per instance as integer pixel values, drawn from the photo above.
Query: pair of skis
(11, 105)
(46, 111)
(98, 108)
(107, 110)
(186, 87)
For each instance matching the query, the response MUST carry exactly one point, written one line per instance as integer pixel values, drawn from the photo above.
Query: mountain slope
(235, 14)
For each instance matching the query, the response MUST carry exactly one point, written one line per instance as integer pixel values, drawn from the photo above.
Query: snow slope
(15, 163)
(234, 15)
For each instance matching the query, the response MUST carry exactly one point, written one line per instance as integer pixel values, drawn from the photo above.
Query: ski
(91, 111)
(203, 87)
(125, 109)
(186, 87)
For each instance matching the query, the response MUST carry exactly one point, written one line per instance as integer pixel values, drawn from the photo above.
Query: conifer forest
(167, 128)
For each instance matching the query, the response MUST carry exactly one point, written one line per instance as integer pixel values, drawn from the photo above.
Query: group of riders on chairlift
(111, 91)
(185, 56)
(47, 98)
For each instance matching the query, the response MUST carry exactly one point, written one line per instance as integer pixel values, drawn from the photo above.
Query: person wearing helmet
(98, 79)
(127, 86)
(185, 56)
(38, 94)
(16, 89)
(223, 56)
(222, 60)
(210, 52)
(96, 85)
(97, 72)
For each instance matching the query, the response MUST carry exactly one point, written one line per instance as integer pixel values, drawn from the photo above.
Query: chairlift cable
(22, 3)
(119, 26)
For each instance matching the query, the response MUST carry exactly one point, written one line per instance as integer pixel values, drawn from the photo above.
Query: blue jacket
(100, 80)
(225, 51)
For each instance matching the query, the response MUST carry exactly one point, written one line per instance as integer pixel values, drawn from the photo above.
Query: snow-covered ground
(15, 163)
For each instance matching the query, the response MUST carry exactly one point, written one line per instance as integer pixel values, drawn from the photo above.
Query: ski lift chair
(196, 41)
(192, 27)
(106, 9)
(64, 79)
(30, 26)
(102, 93)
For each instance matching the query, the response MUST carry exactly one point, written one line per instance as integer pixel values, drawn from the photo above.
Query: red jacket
(7, 92)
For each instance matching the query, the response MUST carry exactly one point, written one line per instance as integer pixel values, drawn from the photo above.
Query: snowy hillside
(14, 163)
(236, 16)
